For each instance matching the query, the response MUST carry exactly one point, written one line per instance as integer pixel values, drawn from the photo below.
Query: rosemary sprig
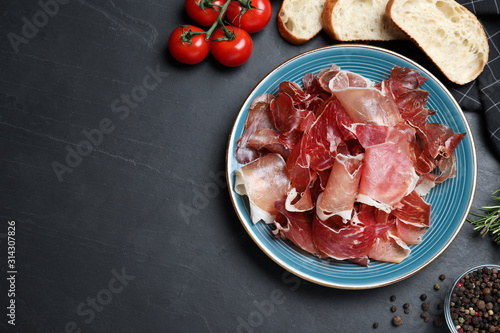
(489, 221)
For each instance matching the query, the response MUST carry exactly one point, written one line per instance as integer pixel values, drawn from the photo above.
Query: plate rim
(307, 277)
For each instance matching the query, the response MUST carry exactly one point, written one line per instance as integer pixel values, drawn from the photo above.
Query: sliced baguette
(300, 20)
(349, 20)
(447, 32)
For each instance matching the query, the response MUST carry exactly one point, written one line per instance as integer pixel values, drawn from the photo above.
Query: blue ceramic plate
(450, 201)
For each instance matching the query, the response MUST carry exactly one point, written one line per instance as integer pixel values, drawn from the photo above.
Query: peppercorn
(375, 325)
(393, 298)
(437, 286)
(397, 321)
(407, 311)
(425, 306)
(393, 308)
(475, 302)
(423, 297)
(442, 277)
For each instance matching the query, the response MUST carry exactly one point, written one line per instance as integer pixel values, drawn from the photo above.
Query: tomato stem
(218, 21)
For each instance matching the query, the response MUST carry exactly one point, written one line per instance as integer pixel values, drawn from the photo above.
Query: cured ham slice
(342, 188)
(441, 140)
(414, 210)
(414, 218)
(409, 233)
(295, 226)
(389, 248)
(388, 176)
(264, 181)
(296, 202)
(267, 139)
(364, 102)
(353, 240)
(321, 141)
(259, 117)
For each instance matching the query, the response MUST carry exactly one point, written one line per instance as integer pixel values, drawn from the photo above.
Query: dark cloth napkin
(483, 94)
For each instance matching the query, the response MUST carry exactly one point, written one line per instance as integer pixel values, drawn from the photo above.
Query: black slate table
(102, 239)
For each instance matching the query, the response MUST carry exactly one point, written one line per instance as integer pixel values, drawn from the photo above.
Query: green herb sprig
(489, 221)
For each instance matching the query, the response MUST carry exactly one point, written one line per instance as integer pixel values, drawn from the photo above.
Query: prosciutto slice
(295, 226)
(389, 248)
(264, 181)
(413, 218)
(259, 117)
(364, 102)
(340, 241)
(388, 176)
(342, 188)
(351, 241)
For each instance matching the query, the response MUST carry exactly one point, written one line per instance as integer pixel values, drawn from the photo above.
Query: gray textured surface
(118, 211)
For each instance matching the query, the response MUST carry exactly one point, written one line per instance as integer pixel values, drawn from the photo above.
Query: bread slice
(300, 20)
(349, 20)
(447, 32)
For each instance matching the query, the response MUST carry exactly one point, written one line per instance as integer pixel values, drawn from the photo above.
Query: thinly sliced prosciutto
(342, 188)
(390, 248)
(340, 165)
(295, 226)
(388, 176)
(259, 117)
(264, 181)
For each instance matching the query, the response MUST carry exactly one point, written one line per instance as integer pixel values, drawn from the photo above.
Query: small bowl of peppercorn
(473, 303)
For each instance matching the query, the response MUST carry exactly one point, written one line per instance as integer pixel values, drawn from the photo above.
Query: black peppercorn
(425, 306)
(393, 298)
(442, 277)
(423, 297)
(397, 321)
(393, 308)
(375, 325)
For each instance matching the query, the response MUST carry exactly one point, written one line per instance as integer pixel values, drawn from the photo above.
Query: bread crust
(472, 76)
(326, 18)
(288, 35)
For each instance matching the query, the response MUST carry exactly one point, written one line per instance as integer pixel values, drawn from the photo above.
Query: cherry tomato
(184, 51)
(234, 52)
(252, 20)
(204, 17)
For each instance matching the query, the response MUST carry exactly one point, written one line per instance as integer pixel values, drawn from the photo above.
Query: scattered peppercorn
(407, 311)
(425, 306)
(375, 325)
(406, 306)
(393, 308)
(393, 298)
(437, 286)
(397, 321)
(442, 277)
(423, 297)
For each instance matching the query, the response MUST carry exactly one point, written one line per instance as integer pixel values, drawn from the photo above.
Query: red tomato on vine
(253, 19)
(204, 12)
(233, 52)
(188, 45)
